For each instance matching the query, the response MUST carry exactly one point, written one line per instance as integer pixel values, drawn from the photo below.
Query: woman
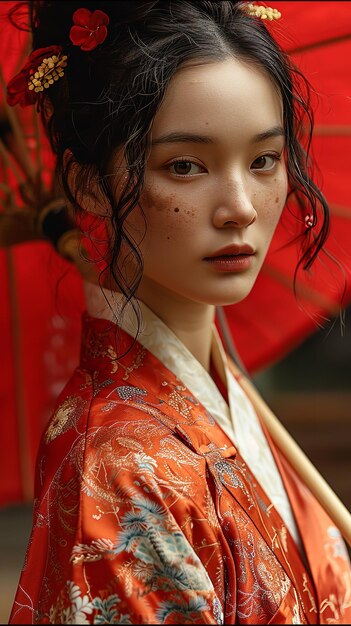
(160, 496)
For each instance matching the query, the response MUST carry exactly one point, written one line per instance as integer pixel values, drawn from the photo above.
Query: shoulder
(121, 428)
(91, 403)
(72, 406)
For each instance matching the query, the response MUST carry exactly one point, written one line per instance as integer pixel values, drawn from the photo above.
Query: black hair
(108, 99)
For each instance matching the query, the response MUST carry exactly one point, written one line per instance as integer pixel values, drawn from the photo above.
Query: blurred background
(302, 371)
(310, 391)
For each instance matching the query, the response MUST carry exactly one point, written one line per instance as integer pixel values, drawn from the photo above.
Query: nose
(234, 208)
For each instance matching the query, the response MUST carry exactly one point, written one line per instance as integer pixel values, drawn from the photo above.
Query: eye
(265, 163)
(185, 168)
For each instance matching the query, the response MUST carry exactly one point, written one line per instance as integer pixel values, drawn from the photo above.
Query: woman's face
(215, 184)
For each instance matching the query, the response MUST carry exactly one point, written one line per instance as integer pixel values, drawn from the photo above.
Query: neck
(190, 321)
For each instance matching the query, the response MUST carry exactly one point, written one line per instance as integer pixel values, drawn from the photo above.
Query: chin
(225, 299)
(233, 300)
(230, 295)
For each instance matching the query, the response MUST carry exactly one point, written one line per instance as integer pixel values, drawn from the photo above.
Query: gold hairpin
(262, 12)
(50, 70)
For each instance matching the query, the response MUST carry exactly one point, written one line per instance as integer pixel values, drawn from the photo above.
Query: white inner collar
(164, 344)
(238, 420)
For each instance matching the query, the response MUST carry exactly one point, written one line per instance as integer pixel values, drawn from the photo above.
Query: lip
(235, 258)
(233, 250)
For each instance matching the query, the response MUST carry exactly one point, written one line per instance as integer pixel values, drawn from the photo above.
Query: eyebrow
(180, 137)
(275, 131)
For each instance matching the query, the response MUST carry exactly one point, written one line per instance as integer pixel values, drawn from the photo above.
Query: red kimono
(146, 513)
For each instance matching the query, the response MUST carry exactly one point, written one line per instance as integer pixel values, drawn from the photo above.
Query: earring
(309, 220)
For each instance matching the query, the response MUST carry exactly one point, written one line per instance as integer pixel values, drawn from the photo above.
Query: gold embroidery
(332, 605)
(139, 357)
(130, 444)
(65, 415)
(346, 578)
(177, 402)
(309, 593)
(283, 537)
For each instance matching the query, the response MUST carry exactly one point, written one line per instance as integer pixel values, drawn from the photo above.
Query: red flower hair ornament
(43, 68)
(90, 28)
(46, 65)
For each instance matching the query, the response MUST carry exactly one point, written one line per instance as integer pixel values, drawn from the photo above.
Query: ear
(85, 187)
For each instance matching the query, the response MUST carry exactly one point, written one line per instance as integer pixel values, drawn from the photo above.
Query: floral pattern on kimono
(146, 513)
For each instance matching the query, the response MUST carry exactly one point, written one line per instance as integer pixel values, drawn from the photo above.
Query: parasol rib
(332, 130)
(26, 472)
(306, 292)
(341, 211)
(319, 44)
(26, 162)
(6, 156)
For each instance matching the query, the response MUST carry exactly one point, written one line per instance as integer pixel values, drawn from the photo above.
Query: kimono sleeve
(133, 563)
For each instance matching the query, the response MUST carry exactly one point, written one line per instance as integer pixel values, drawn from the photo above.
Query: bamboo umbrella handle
(297, 458)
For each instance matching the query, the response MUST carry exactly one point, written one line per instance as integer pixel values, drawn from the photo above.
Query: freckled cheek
(280, 198)
(277, 197)
(270, 209)
(167, 216)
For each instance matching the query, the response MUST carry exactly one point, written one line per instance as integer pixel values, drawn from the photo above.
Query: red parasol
(42, 295)
(318, 38)
(40, 326)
